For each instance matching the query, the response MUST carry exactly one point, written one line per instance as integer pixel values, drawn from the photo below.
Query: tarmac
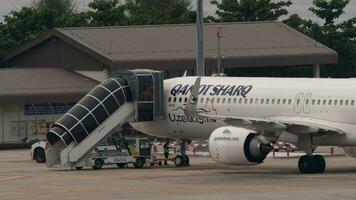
(277, 179)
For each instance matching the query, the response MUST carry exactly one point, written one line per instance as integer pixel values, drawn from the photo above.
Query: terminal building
(45, 77)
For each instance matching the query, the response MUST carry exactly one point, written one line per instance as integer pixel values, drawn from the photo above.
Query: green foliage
(29, 22)
(107, 13)
(142, 12)
(337, 36)
(249, 10)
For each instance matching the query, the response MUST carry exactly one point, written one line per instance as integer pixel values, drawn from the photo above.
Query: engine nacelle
(233, 145)
(350, 151)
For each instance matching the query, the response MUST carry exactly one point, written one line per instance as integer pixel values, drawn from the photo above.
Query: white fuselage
(321, 100)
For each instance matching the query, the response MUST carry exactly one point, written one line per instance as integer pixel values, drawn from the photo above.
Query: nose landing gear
(182, 160)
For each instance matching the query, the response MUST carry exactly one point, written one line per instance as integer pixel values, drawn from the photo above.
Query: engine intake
(233, 145)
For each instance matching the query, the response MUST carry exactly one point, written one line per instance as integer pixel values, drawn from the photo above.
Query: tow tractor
(135, 151)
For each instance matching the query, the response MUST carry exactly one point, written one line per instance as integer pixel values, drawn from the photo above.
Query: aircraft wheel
(306, 164)
(319, 164)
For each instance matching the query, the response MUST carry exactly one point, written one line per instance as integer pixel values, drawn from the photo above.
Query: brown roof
(164, 46)
(42, 85)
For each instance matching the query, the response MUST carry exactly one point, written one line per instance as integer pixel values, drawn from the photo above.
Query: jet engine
(233, 145)
(350, 151)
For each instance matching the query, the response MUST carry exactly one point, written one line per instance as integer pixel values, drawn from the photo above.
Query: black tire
(320, 164)
(121, 165)
(78, 168)
(98, 163)
(186, 160)
(179, 161)
(140, 162)
(306, 164)
(160, 163)
(39, 155)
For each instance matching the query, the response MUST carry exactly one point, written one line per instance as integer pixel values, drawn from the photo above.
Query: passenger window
(180, 99)
(352, 102)
(346, 102)
(235, 100)
(341, 102)
(223, 100)
(307, 102)
(330, 102)
(175, 99)
(240, 101)
(273, 101)
(246, 101)
(284, 101)
(335, 102)
(324, 102)
(251, 101)
(319, 101)
(313, 102)
(228, 100)
(207, 100)
(218, 101)
(298, 101)
(169, 99)
(256, 102)
(212, 100)
(278, 101)
(290, 101)
(267, 101)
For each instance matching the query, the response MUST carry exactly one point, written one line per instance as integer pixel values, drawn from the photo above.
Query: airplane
(242, 117)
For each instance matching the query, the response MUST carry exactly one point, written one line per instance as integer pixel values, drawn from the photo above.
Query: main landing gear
(182, 159)
(310, 164)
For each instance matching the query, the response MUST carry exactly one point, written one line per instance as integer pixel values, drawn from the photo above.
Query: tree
(107, 13)
(337, 36)
(249, 10)
(142, 12)
(23, 25)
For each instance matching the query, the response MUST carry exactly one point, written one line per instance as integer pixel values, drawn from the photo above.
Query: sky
(299, 7)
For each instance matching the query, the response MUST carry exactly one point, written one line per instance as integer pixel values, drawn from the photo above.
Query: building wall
(16, 127)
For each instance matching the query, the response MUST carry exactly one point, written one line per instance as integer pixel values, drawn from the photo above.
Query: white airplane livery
(241, 117)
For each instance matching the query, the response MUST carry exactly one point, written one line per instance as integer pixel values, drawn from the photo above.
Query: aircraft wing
(295, 125)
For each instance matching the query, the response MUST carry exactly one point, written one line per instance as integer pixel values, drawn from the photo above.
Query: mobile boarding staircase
(129, 96)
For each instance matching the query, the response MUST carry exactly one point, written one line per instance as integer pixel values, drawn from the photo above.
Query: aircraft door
(145, 101)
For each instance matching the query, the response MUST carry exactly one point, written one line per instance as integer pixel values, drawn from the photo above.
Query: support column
(317, 71)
